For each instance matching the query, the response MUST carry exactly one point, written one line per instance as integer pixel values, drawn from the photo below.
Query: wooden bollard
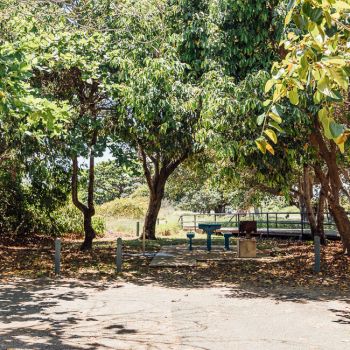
(119, 256)
(57, 256)
(317, 243)
(138, 228)
(143, 241)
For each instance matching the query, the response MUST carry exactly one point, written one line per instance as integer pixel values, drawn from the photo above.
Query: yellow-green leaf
(261, 145)
(269, 84)
(271, 134)
(340, 77)
(288, 17)
(341, 147)
(270, 149)
(293, 97)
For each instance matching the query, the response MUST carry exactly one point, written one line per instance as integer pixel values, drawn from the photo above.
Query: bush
(168, 229)
(133, 208)
(69, 219)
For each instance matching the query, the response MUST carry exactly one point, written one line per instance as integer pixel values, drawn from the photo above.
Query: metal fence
(268, 221)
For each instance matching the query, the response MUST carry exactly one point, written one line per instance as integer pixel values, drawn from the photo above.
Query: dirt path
(70, 314)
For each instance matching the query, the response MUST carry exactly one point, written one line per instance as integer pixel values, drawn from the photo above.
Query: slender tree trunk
(155, 202)
(331, 183)
(88, 210)
(308, 194)
(320, 217)
(89, 231)
(343, 225)
(220, 208)
(156, 180)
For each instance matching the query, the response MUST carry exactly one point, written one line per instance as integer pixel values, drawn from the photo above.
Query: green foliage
(134, 208)
(30, 193)
(68, 219)
(113, 180)
(315, 71)
(157, 106)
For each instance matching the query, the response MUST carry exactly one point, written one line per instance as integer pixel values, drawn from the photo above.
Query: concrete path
(179, 255)
(73, 315)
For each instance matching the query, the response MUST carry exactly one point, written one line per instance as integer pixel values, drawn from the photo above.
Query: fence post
(143, 241)
(302, 224)
(119, 255)
(317, 243)
(57, 256)
(267, 224)
(195, 222)
(137, 228)
(276, 220)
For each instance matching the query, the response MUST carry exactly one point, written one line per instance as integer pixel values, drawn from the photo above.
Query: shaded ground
(293, 268)
(72, 315)
(274, 304)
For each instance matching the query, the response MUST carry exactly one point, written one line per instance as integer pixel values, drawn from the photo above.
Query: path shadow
(344, 316)
(25, 322)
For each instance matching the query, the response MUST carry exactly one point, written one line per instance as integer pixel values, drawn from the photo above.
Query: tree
(27, 123)
(114, 180)
(73, 66)
(159, 117)
(314, 76)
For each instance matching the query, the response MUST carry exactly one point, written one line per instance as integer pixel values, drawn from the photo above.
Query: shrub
(133, 208)
(69, 219)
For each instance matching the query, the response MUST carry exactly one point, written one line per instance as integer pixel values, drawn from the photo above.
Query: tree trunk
(331, 183)
(88, 210)
(220, 208)
(156, 181)
(343, 224)
(307, 190)
(154, 205)
(89, 231)
(320, 217)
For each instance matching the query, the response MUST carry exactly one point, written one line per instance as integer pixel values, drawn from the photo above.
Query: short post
(119, 255)
(190, 236)
(57, 256)
(317, 243)
(143, 241)
(137, 228)
(227, 240)
(267, 224)
(157, 221)
(276, 220)
(302, 224)
(208, 242)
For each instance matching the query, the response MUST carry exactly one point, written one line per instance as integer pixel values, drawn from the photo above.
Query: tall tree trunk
(156, 180)
(320, 217)
(155, 202)
(220, 208)
(88, 210)
(331, 183)
(307, 195)
(89, 231)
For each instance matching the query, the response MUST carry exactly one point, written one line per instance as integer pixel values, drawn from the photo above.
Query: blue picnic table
(209, 229)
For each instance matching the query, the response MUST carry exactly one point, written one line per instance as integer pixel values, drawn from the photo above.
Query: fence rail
(268, 222)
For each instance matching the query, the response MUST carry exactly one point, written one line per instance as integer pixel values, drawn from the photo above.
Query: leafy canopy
(315, 70)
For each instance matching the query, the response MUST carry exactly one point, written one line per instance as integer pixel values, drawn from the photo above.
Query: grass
(168, 223)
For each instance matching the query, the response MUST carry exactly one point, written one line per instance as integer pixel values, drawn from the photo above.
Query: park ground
(71, 314)
(276, 304)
